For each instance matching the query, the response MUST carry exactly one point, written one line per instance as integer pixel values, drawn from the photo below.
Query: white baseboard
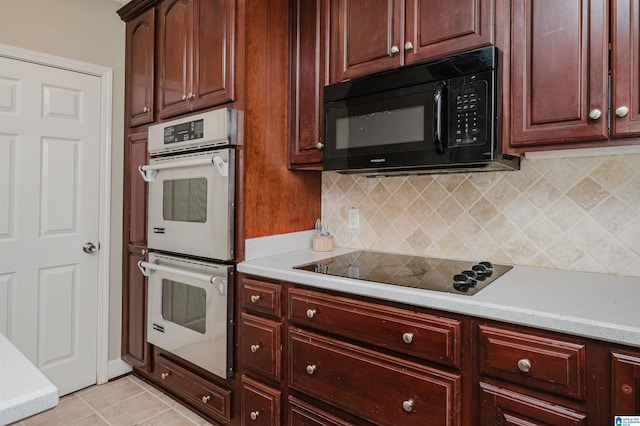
(118, 367)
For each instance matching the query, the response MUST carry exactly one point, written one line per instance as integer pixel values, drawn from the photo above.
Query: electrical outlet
(354, 219)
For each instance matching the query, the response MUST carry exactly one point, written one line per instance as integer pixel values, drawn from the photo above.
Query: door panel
(49, 194)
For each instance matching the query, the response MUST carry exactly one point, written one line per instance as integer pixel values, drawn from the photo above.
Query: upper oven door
(191, 204)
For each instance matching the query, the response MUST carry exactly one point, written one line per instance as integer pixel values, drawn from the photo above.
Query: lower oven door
(191, 203)
(189, 310)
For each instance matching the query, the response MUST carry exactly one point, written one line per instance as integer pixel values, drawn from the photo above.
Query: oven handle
(149, 172)
(147, 269)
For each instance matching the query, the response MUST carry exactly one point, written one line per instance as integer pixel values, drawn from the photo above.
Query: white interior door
(50, 126)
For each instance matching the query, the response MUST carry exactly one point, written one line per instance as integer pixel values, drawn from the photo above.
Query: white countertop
(24, 390)
(600, 306)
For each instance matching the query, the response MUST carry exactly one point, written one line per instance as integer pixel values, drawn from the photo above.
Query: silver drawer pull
(407, 338)
(254, 415)
(164, 376)
(311, 313)
(205, 399)
(255, 298)
(311, 369)
(408, 405)
(254, 348)
(524, 365)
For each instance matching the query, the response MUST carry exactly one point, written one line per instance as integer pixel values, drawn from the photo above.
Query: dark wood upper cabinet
(370, 36)
(140, 42)
(195, 41)
(625, 68)
(308, 78)
(440, 28)
(559, 71)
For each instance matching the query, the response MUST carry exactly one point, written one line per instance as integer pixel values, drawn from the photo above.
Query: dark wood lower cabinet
(135, 349)
(504, 407)
(625, 383)
(260, 404)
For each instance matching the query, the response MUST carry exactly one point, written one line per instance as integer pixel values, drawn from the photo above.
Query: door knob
(89, 247)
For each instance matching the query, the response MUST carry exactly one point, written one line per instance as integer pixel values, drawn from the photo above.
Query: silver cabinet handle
(254, 415)
(311, 313)
(408, 46)
(254, 348)
(164, 376)
(89, 247)
(595, 113)
(524, 365)
(191, 95)
(184, 97)
(255, 298)
(311, 369)
(622, 111)
(319, 145)
(407, 338)
(394, 49)
(408, 405)
(145, 109)
(205, 399)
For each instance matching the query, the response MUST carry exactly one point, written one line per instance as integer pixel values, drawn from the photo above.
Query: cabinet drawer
(549, 364)
(261, 296)
(372, 385)
(260, 404)
(425, 336)
(503, 407)
(260, 346)
(201, 394)
(302, 413)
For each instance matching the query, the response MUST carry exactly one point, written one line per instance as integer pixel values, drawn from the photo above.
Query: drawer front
(425, 336)
(304, 414)
(260, 345)
(260, 404)
(377, 387)
(261, 296)
(503, 407)
(551, 365)
(203, 395)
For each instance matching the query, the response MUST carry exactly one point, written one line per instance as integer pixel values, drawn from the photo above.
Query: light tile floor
(127, 401)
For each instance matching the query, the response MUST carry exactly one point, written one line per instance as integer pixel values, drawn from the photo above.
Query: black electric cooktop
(428, 273)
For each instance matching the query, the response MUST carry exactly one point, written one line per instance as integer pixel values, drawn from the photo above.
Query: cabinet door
(504, 407)
(308, 78)
(135, 190)
(365, 37)
(559, 59)
(213, 38)
(174, 47)
(441, 28)
(625, 377)
(140, 47)
(625, 68)
(135, 349)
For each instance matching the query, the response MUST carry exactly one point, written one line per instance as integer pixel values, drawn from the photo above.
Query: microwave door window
(185, 200)
(184, 305)
(380, 128)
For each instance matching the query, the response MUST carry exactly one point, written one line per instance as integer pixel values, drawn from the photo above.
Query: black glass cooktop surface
(428, 273)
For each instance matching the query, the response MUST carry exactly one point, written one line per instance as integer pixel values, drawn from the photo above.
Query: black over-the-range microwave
(438, 116)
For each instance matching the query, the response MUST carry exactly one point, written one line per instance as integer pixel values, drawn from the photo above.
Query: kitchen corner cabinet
(560, 69)
(308, 78)
(140, 48)
(195, 47)
(370, 36)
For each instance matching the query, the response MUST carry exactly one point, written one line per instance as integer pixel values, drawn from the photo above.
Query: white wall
(88, 31)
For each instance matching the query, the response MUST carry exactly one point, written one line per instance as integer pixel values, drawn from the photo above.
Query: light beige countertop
(600, 306)
(24, 390)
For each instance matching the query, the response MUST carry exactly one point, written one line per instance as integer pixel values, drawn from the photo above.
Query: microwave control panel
(468, 112)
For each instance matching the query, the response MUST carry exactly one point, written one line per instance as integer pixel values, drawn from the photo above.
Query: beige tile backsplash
(568, 213)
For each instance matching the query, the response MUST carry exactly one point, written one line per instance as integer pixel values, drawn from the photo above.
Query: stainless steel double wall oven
(191, 178)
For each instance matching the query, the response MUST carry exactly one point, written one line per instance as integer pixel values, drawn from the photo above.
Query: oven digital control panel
(184, 132)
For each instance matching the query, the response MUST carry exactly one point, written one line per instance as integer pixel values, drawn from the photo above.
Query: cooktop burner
(428, 273)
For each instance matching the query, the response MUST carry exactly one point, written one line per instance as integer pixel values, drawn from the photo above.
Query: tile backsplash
(568, 213)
